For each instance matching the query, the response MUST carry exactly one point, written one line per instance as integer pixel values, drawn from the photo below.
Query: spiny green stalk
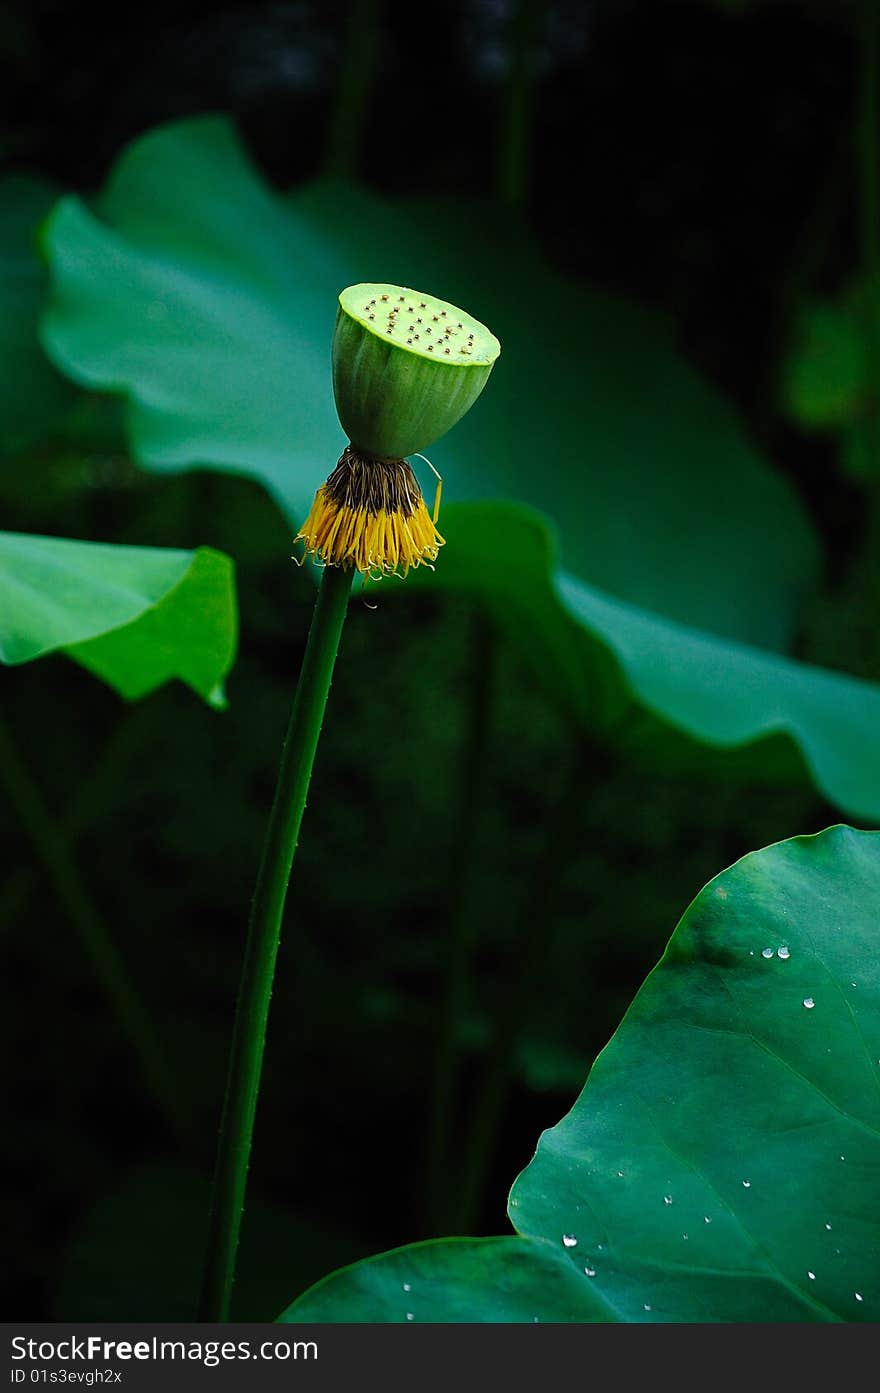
(255, 989)
(95, 934)
(397, 389)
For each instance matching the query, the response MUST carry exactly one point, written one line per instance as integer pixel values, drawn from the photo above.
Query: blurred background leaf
(33, 396)
(135, 617)
(209, 302)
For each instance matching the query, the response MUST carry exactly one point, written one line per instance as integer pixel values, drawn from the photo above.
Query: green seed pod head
(406, 367)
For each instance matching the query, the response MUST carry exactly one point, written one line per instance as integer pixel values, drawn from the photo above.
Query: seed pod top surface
(406, 367)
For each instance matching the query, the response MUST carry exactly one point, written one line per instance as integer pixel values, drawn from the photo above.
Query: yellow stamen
(370, 515)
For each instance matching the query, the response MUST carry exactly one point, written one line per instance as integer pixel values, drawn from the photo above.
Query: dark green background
(694, 158)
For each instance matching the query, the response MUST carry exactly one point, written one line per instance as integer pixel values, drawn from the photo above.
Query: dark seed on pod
(446, 350)
(430, 348)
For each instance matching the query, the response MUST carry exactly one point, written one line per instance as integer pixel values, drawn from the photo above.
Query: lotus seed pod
(406, 367)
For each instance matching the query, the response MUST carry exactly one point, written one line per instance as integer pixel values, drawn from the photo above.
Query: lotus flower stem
(406, 368)
(258, 969)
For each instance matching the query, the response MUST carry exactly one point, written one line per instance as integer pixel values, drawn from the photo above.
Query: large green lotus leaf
(33, 396)
(456, 1280)
(723, 1160)
(209, 301)
(135, 616)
